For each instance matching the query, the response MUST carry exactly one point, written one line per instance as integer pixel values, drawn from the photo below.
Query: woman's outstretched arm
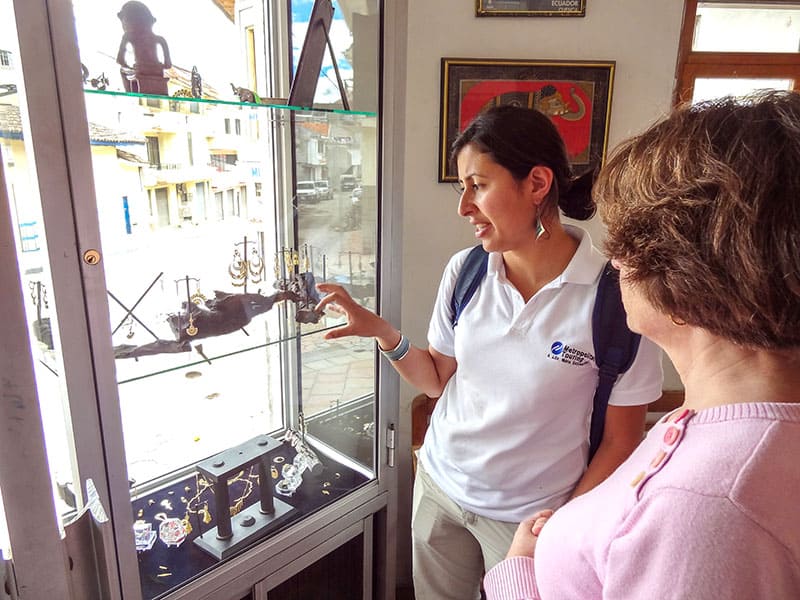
(425, 369)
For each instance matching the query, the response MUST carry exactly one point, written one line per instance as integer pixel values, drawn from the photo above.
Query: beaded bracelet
(399, 351)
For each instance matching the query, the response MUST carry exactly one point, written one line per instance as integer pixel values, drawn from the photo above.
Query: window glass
(752, 27)
(708, 88)
(354, 38)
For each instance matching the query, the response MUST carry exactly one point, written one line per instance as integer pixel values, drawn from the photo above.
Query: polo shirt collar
(584, 268)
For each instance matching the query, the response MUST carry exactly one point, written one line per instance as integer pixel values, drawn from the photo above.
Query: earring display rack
(253, 522)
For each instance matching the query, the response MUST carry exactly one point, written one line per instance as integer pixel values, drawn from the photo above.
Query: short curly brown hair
(703, 209)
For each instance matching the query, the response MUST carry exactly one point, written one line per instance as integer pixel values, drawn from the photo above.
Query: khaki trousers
(452, 548)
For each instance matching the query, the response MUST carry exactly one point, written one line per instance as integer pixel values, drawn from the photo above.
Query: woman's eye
(475, 187)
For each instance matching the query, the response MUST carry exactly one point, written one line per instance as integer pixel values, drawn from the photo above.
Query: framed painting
(530, 8)
(576, 95)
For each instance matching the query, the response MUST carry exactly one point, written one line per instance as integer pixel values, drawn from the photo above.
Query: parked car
(307, 192)
(347, 182)
(323, 190)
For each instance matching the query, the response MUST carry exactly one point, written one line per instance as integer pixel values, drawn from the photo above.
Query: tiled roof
(11, 127)
(226, 6)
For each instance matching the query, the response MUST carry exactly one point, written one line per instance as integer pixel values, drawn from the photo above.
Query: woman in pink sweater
(703, 217)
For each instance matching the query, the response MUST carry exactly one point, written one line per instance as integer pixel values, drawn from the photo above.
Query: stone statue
(150, 51)
(197, 84)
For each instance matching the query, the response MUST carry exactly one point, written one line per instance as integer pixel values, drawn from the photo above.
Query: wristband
(399, 351)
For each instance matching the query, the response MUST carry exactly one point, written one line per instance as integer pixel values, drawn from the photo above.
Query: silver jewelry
(305, 458)
(541, 230)
(398, 352)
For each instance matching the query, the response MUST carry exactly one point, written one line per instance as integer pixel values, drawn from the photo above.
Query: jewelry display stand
(233, 533)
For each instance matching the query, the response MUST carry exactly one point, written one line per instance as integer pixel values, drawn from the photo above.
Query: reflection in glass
(340, 231)
(354, 38)
(747, 27)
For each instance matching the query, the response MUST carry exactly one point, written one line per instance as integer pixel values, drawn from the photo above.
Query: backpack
(615, 345)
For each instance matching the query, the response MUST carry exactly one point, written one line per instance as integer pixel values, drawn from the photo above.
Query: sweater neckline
(781, 411)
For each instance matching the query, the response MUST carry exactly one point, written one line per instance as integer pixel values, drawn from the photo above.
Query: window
(735, 48)
(153, 155)
(5, 58)
(223, 162)
(250, 51)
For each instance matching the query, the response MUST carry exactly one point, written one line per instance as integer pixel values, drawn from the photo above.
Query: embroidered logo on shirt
(568, 354)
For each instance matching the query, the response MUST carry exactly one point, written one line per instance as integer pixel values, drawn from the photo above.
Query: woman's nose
(464, 204)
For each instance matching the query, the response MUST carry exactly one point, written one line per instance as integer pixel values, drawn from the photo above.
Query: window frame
(693, 64)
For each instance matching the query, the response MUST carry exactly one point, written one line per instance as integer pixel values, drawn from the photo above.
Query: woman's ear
(539, 181)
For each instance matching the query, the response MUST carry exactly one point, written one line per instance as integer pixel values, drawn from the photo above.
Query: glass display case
(197, 390)
(211, 270)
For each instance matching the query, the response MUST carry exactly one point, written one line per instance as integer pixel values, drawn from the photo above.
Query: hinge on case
(390, 444)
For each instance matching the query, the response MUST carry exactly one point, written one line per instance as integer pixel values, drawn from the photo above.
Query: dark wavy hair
(519, 139)
(703, 208)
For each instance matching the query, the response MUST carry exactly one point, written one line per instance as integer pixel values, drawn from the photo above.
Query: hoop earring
(677, 321)
(238, 269)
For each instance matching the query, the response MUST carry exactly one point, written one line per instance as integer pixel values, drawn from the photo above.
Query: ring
(278, 460)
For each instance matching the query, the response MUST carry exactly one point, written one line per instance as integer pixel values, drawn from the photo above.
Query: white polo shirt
(510, 433)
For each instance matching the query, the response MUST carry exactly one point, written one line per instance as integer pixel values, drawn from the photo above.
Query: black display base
(163, 568)
(248, 526)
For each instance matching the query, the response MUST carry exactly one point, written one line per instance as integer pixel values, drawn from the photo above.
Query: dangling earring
(256, 266)
(238, 269)
(198, 297)
(191, 330)
(540, 228)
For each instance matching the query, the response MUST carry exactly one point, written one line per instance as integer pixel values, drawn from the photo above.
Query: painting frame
(575, 94)
(530, 8)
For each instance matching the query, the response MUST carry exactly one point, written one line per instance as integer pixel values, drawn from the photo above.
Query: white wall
(641, 36)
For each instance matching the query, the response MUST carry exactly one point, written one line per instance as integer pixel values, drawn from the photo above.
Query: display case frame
(58, 130)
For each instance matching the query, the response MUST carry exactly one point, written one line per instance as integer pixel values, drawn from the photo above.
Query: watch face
(171, 531)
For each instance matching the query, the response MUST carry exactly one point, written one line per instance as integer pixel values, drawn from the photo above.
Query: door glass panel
(338, 225)
(747, 27)
(708, 88)
(20, 174)
(218, 213)
(339, 230)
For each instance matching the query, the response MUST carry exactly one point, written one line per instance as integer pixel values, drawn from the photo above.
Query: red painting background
(475, 94)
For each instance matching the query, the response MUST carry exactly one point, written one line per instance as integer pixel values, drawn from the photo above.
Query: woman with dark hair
(509, 433)
(703, 216)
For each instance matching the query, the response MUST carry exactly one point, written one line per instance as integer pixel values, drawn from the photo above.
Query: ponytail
(576, 202)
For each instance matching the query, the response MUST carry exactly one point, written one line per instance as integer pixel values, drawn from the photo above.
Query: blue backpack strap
(469, 278)
(615, 348)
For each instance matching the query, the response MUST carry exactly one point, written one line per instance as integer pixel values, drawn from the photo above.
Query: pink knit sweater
(707, 507)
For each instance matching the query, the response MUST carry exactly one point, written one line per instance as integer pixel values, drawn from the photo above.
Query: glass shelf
(263, 104)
